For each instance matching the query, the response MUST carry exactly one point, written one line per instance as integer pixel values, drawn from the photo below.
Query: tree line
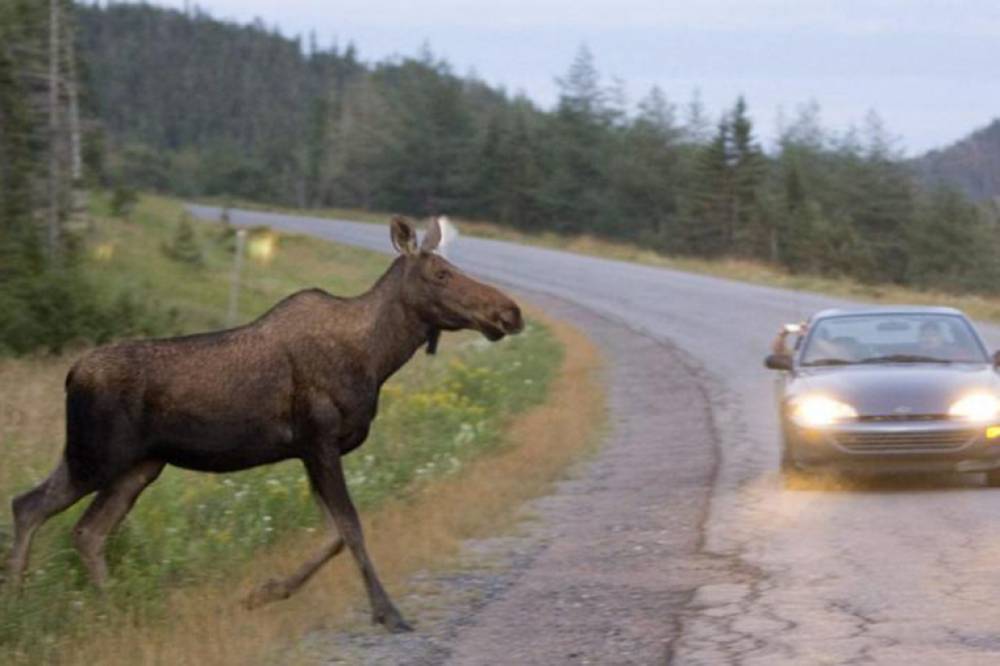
(45, 295)
(180, 102)
(196, 106)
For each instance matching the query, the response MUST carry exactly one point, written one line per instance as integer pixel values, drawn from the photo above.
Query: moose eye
(442, 274)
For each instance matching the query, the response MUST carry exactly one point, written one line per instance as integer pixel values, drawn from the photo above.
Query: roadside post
(234, 289)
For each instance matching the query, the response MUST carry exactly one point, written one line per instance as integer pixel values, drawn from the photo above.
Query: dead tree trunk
(53, 184)
(76, 156)
(78, 202)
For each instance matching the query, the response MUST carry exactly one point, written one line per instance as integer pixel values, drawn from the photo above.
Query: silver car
(889, 389)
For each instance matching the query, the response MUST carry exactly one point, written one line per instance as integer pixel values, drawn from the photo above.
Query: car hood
(883, 389)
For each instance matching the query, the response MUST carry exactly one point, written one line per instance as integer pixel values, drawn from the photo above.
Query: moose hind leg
(105, 513)
(327, 476)
(57, 493)
(277, 590)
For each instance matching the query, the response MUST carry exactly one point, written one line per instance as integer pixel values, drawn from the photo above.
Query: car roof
(887, 309)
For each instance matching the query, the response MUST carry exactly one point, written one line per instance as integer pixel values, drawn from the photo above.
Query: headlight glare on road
(816, 411)
(976, 407)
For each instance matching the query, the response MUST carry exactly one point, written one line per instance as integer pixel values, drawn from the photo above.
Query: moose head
(445, 298)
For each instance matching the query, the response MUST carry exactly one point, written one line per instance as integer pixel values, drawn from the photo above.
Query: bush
(184, 246)
(55, 308)
(123, 200)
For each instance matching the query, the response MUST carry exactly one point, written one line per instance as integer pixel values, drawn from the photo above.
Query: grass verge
(195, 535)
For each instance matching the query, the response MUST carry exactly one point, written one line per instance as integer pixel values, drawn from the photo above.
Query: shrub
(123, 200)
(55, 308)
(184, 247)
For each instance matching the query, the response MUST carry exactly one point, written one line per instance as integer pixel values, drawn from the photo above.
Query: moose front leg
(327, 475)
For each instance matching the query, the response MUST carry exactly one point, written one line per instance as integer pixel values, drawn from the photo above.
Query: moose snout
(510, 319)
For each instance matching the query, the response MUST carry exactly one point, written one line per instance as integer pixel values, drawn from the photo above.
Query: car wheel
(792, 476)
(993, 478)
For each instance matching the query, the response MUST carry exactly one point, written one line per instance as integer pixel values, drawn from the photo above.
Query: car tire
(792, 477)
(993, 478)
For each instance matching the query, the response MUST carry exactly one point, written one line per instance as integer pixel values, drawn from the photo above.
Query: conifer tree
(184, 245)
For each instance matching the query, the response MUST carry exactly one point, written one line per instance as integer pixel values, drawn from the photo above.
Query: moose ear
(433, 236)
(404, 238)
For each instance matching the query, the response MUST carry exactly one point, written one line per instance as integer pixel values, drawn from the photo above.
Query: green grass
(137, 262)
(188, 528)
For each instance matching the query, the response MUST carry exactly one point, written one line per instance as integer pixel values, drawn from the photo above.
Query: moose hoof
(272, 590)
(393, 622)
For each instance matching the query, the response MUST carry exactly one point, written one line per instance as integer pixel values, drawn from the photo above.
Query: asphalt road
(886, 573)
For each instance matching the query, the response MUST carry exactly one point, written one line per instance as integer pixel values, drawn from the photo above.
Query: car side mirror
(996, 359)
(780, 362)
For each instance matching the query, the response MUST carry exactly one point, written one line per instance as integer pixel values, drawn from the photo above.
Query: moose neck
(393, 331)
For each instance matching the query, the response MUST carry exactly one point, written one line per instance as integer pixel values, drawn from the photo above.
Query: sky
(927, 67)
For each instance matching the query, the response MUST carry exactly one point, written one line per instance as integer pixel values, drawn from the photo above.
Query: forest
(133, 97)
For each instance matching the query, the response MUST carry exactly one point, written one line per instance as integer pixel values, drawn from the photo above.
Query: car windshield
(891, 338)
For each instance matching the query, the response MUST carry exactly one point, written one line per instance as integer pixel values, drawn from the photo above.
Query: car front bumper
(894, 447)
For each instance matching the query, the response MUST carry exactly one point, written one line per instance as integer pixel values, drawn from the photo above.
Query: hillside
(191, 105)
(972, 164)
(182, 103)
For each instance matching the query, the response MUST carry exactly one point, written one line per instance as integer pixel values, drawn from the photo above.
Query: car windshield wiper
(904, 358)
(828, 361)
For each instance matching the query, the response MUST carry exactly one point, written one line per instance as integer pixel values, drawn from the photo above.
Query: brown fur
(300, 382)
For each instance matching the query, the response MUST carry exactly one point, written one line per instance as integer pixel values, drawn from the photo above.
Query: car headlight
(976, 407)
(816, 410)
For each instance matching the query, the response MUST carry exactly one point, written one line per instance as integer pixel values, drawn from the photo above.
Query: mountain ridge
(971, 164)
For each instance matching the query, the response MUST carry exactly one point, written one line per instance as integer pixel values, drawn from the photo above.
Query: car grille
(882, 418)
(886, 441)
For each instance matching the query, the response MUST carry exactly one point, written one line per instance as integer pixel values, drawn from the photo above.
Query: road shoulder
(604, 570)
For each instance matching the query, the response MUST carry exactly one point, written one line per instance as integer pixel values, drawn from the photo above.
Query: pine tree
(697, 127)
(429, 170)
(751, 234)
(579, 140)
(360, 142)
(878, 195)
(509, 173)
(580, 91)
(724, 214)
(645, 174)
(707, 224)
(184, 246)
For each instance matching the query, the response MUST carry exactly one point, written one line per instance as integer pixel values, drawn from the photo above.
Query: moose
(302, 382)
